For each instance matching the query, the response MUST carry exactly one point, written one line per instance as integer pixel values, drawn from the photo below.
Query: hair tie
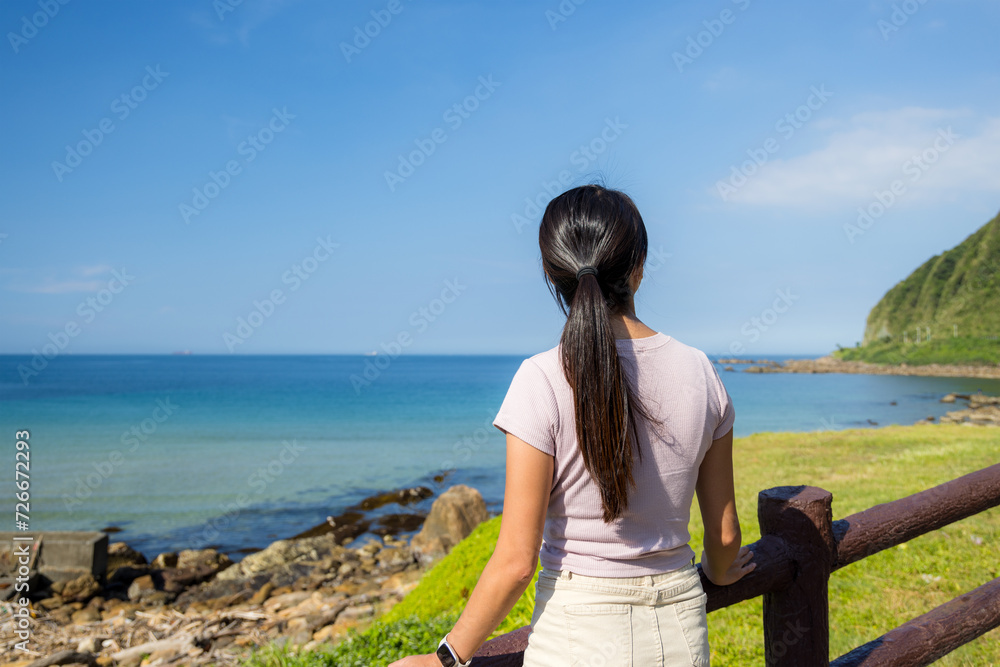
(585, 270)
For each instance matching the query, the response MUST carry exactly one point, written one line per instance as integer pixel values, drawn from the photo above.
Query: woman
(609, 435)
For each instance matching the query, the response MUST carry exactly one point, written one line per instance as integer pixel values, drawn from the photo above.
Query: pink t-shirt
(679, 385)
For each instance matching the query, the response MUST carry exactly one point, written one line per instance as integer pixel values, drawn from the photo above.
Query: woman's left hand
(426, 660)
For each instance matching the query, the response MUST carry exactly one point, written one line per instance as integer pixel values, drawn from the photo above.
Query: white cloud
(52, 285)
(867, 152)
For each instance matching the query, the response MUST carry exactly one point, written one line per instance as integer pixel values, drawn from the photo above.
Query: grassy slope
(958, 287)
(861, 468)
(972, 351)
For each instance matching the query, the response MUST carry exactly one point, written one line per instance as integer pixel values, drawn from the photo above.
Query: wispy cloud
(867, 151)
(63, 285)
(230, 20)
(95, 270)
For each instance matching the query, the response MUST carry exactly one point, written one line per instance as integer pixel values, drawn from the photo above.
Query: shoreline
(197, 606)
(829, 364)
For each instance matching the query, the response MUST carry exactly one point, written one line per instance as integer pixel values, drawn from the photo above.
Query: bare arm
(723, 560)
(512, 565)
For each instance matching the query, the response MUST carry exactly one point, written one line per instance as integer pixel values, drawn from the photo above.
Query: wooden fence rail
(801, 545)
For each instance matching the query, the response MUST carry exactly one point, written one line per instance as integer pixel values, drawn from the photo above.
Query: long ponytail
(601, 228)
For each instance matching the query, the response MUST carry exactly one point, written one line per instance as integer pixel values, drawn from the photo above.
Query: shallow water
(183, 451)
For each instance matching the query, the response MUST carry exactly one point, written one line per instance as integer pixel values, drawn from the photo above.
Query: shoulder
(688, 353)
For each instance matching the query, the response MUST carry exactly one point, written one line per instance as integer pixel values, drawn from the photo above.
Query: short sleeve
(529, 410)
(726, 413)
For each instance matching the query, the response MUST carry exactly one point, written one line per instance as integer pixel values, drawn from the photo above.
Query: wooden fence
(799, 548)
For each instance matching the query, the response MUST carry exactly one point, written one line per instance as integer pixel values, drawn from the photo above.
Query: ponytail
(592, 226)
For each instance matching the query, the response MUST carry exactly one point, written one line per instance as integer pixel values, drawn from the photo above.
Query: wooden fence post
(797, 618)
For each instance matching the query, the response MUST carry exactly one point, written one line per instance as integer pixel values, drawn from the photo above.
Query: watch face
(445, 656)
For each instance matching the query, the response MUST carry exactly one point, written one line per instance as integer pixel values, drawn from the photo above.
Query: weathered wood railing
(799, 548)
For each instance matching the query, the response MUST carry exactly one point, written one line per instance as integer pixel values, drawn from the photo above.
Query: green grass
(973, 351)
(382, 643)
(861, 468)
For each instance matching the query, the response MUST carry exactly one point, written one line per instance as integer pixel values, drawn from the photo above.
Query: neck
(627, 325)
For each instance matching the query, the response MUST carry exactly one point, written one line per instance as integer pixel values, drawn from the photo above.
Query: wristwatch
(447, 655)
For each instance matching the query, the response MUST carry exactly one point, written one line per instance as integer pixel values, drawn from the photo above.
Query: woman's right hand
(740, 566)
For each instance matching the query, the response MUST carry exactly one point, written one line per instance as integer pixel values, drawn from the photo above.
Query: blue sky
(171, 168)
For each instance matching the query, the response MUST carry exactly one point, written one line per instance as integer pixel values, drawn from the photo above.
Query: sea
(234, 452)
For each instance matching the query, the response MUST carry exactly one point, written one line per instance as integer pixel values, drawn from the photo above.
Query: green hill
(947, 311)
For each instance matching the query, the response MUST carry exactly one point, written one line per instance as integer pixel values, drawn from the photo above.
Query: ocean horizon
(234, 451)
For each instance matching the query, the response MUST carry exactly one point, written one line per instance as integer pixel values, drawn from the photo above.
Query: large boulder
(283, 552)
(453, 516)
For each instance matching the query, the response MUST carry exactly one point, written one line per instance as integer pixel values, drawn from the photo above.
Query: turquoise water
(183, 451)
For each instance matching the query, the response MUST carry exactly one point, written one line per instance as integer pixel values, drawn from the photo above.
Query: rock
(80, 589)
(371, 548)
(283, 552)
(285, 601)
(358, 612)
(948, 398)
(126, 574)
(452, 517)
(290, 574)
(89, 645)
(86, 615)
(203, 559)
(51, 603)
(401, 496)
(141, 587)
(330, 632)
(120, 554)
(177, 579)
(218, 588)
(165, 560)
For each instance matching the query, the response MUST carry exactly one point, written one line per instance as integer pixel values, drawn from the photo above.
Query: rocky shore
(831, 365)
(197, 607)
(982, 410)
